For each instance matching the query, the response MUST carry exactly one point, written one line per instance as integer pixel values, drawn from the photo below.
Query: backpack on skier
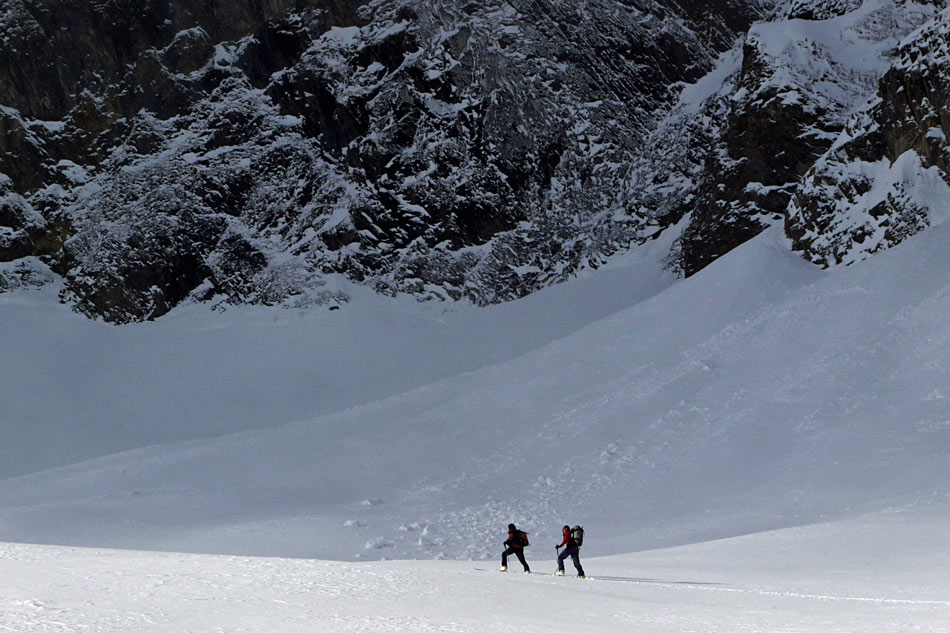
(577, 533)
(521, 538)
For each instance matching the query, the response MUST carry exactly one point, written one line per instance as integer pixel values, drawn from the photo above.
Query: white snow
(831, 64)
(197, 373)
(762, 393)
(922, 188)
(347, 36)
(717, 81)
(883, 573)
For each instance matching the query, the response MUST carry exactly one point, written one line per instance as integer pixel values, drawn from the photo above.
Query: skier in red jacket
(572, 549)
(515, 544)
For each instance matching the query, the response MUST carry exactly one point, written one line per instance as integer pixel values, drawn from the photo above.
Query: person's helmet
(566, 527)
(511, 527)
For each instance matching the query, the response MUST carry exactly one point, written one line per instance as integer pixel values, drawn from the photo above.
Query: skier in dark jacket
(571, 549)
(514, 545)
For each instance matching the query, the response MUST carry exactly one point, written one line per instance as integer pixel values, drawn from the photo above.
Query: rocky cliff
(250, 151)
(887, 176)
(739, 152)
(258, 151)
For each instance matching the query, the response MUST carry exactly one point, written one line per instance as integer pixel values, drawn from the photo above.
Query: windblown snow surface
(882, 573)
(804, 409)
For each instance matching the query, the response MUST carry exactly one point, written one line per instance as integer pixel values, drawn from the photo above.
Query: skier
(515, 544)
(572, 548)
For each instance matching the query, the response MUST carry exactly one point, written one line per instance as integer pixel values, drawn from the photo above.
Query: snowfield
(882, 573)
(761, 393)
(760, 447)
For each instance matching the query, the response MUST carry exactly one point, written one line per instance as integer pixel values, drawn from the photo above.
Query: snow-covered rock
(888, 175)
(454, 150)
(243, 153)
(733, 151)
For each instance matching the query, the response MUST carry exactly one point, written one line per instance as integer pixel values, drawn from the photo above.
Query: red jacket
(568, 539)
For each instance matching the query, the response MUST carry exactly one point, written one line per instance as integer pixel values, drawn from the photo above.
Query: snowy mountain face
(240, 153)
(739, 150)
(248, 153)
(886, 177)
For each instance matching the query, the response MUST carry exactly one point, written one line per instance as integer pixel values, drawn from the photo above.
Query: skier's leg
(520, 552)
(576, 558)
(560, 559)
(504, 558)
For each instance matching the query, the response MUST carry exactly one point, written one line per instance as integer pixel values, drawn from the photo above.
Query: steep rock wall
(251, 151)
(888, 175)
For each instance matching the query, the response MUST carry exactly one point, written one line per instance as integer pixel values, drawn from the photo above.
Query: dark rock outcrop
(247, 151)
(729, 163)
(888, 177)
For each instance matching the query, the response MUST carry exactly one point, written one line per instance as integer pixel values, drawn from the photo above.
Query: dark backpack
(577, 533)
(522, 538)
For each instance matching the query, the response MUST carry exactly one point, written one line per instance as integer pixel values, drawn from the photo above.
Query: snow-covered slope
(200, 373)
(760, 393)
(886, 573)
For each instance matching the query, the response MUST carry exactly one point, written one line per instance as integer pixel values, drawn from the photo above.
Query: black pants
(517, 551)
(575, 553)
